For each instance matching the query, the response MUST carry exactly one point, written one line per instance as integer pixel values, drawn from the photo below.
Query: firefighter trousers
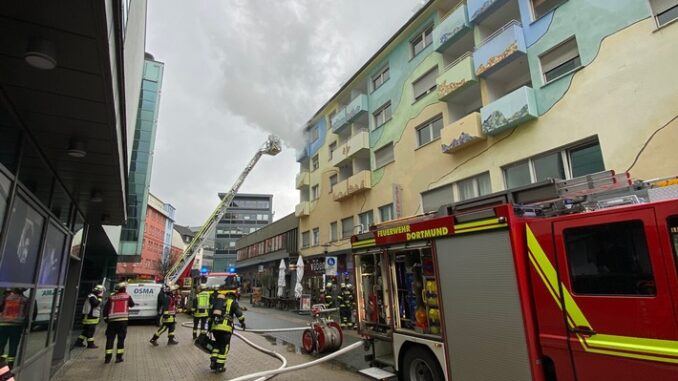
(170, 327)
(11, 334)
(345, 315)
(220, 352)
(199, 325)
(87, 333)
(116, 329)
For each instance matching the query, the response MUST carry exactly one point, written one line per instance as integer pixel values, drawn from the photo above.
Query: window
(314, 163)
(332, 147)
(542, 7)
(664, 11)
(382, 115)
(329, 118)
(231, 244)
(425, 84)
(609, 259)
(474, 186)
(560, 60)
(333, 182)
(366, 220)
(673, 231)
(429, 131)
(381, 77)
(314, 134)
(333, 231)
(577, 161)
(347, 227)
(315, 193)
(305, 239)
(316, 237)
(421, 41)
(386, 212)
(383, 155)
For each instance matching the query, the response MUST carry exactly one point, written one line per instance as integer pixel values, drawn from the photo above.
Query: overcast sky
(238, 70)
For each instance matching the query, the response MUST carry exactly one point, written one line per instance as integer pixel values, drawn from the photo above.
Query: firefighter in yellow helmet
(168, 311)
(91, 312)
(224, 309)
(201, 310)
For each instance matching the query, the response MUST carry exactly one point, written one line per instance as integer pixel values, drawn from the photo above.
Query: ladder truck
(556, 281)
(272, 147)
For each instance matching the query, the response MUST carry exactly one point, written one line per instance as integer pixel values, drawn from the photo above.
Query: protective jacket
(91, 310)
(169, 308)
(117, 307)
(13, 309)
(223, 311)
(201, 304)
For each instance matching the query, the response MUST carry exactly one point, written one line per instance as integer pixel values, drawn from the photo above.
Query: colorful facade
(473, 97)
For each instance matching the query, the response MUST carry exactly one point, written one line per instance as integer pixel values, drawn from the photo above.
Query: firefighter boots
(118, 359)
(107, 359)
(171, 341)
(91, 345)
(154, 341)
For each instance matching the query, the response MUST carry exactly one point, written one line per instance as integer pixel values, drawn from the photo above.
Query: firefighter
(343, 317)
(13, 314)
(225, 307)
(91, 312)
(116, 315)
(349, 305)
(329, 299)
(201, 309)
(168, 310)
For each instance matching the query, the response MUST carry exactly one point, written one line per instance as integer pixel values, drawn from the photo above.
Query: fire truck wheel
(419, 364)
(309, 341)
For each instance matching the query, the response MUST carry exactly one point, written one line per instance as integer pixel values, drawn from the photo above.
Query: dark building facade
(246, 214)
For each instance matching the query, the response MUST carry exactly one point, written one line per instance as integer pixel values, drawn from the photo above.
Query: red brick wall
(151, 249)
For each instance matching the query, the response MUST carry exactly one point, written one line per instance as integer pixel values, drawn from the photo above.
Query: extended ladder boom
(271, 147)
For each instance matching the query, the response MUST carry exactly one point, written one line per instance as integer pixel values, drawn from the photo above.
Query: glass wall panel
(14, 307)
(5, 186)
(36, 338)
(22, 244)
(52, 255)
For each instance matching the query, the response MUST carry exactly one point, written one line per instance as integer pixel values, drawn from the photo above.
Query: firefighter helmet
(328, 285)
(343, 285)
(98, 289)
(120, 286)
(349, 286)
(173, 287)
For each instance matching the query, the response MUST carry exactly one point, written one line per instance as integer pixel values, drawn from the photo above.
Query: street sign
(331, 266)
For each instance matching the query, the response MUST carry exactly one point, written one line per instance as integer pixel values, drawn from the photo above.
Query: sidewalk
(186, 362)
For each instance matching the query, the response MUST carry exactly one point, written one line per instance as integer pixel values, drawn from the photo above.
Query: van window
(673, 233)
(609, 259)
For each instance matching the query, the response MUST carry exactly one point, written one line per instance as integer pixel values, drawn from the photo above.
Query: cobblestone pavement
(186, 362)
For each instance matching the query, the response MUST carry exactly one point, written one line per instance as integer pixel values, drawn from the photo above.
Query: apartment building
(473, 97)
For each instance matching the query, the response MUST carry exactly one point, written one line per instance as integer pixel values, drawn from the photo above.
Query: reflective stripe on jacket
(202, 304)
(91, 310)
(119, 309)
(14, 309)
(225, 322)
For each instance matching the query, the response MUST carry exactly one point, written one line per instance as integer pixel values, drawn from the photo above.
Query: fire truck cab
(556, 281)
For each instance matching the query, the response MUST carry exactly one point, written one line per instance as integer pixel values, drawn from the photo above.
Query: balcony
(302, 209)
(358, 143)
(462, 133)
(478, 9)
(451, 28)
(355, 184)
(509, 111)
(456, 76)
(302, 180)
(348, 114)
(500, 48)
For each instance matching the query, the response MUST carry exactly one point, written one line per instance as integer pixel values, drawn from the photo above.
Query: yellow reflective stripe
(489, 221)
(485, 227)
(613, 345)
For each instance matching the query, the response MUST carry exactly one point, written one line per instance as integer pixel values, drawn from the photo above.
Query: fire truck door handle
(583, 330)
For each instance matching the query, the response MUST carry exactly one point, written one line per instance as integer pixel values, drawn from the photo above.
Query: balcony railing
(302, 179)
(349, 113)
(456, 76)
(500, 48)
(462, 133)
(355, 184)
(478, 9)
(509, 111)
(451, 28)
(302, 209)
(357, 143)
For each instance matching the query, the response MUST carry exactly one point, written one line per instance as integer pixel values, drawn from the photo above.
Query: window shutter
(425, 83)
(559, 55)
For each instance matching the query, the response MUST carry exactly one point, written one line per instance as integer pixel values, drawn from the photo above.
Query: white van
(145, 296)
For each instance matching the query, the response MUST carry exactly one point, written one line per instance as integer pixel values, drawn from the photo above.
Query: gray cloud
(238, 70)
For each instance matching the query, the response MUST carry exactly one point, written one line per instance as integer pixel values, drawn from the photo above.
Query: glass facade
(246, 214)
(141, 160)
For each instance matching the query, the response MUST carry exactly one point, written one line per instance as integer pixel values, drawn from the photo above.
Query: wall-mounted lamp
(41, 54)
(96, 197)
(76, 148)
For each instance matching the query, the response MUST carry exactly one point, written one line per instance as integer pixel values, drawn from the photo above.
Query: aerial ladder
(271, 147)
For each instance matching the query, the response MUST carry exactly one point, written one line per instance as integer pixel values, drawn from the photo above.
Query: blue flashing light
(231, 269)
(204, 270)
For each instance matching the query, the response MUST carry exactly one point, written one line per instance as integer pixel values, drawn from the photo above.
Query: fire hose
(264, 375)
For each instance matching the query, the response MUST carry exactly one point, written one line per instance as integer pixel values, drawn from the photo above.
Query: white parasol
(298, 288)
(281, 278)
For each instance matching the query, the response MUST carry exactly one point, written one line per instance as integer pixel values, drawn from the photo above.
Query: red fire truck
(562, 280)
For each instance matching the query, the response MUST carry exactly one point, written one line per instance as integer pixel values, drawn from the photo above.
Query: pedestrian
(225, 307)
(168, 310)
(13, 318)
(91, 312)
(116, 315)
(201, 310)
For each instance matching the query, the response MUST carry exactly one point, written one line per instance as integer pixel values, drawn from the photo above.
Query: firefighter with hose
(224, 309)
(91, 311)
(201, 310)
